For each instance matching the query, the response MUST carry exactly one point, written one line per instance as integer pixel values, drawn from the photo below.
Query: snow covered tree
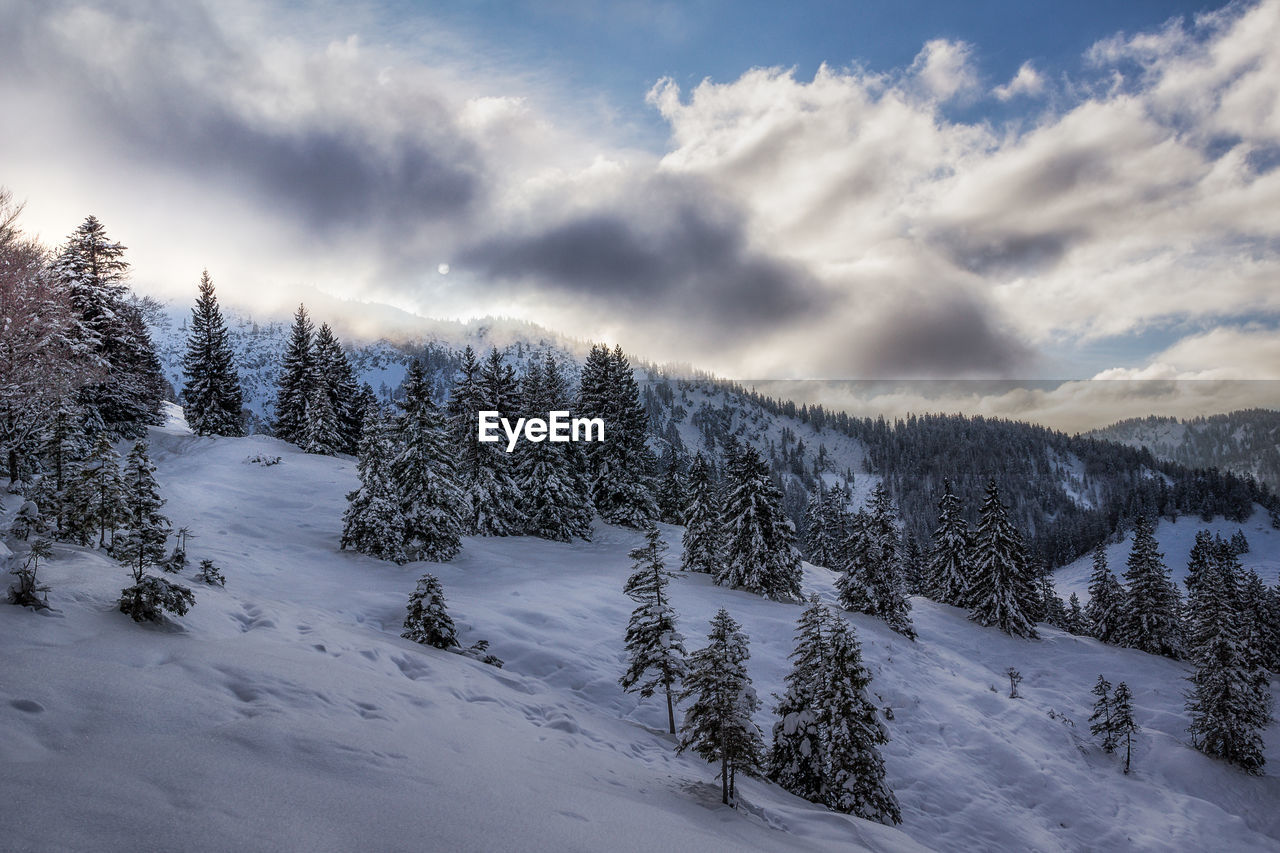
(619, 465)
(855, 781)
(553, 501)
(718, 725)
(431, 504)
(1076, 622)
(374, 522)
(1123, 725)
(1052, 609)
(297, 381)
(320, 432)
(491, 495)
(949, 551)
(338, 379)
(671, 496)
(63, 450)
(28, 591)
(1001, 591)
(656, 655)
(97, 493)
(914, 579)
(144, 530)
(872, 580)
(704, 532)
(212, 400)
(428, 620)
(1230, 700)
(141, 544)
(1239, 543)
(818, 543)
(1101, 721)
(110, 331)
(759, 554)
(210, 574)
(797, 759)
(1149, 618)
(1202, 554)
(1106, 599)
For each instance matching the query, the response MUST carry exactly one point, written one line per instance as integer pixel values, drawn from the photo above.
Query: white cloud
(1028, 81)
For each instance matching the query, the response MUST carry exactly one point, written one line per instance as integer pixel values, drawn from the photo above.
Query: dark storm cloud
(656, 251)
(1007, 253)
(942, 335)
(188, 96)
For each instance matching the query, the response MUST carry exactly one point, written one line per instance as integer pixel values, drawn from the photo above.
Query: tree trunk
(1128, 751)
(13, 466)
(671, 711)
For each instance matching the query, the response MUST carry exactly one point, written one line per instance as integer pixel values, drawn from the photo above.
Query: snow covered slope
(285, 713)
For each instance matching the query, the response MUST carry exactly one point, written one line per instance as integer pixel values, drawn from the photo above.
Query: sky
(878, 190)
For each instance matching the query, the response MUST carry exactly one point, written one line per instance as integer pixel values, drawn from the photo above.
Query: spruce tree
(320, 431)
(759, 554)
(654, 646)
(374, 522)
(141, 544)
(1001, 590)
(431, 503)
(718, 725)
(1230, 700)
(671, 490)
(1106, 599)
(553, 502)
(334, 373)
(212, 400)
(297, 381)
(1122, 722)
(1149, 618)
(872, 580)
(619, 465)
(797, 759)
(854, 733)
(704, 532)
(950, 550)
(97, 495)
(109, 333)
(817, 542)
(1102, 720)
(491, 495)
(210, 574)
(428, 621)
(1076, 622)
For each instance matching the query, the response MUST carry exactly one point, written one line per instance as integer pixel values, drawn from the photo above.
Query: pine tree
(797, 759)
(212, 400)
(297, 381)
(671, 496)
(553, 501)
(63, 451)
(428, 620)
(431, 504)
(1230, 700)
(374, 523)
(759, 556)
(1106, 599)
(1202, 554)
(1149, 619)
(110, 333)
(28, 591)
(855, 769)
(1076, 622)
(491, 495)
(949, 552)
(210, 574)
(655, 647)
(335, 374)
(320, 431)
(718, 725)
(818, 545)
(704, 533)
(97, 494)
(619, 465)
(1102, 720)
(1001, 590)
(141, 544)
(872, 579)
(1122, 722)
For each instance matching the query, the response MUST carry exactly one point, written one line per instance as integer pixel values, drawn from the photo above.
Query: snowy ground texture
(285, 713)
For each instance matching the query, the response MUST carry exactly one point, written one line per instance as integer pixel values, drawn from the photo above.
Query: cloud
(1027, 82)
(843, 225)
(1250, 352)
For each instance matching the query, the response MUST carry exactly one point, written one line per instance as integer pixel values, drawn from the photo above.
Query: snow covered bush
(152, 597)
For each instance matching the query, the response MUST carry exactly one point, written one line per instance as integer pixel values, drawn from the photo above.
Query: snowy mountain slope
(1175, 539)
(1246, 442)
(284, 712)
